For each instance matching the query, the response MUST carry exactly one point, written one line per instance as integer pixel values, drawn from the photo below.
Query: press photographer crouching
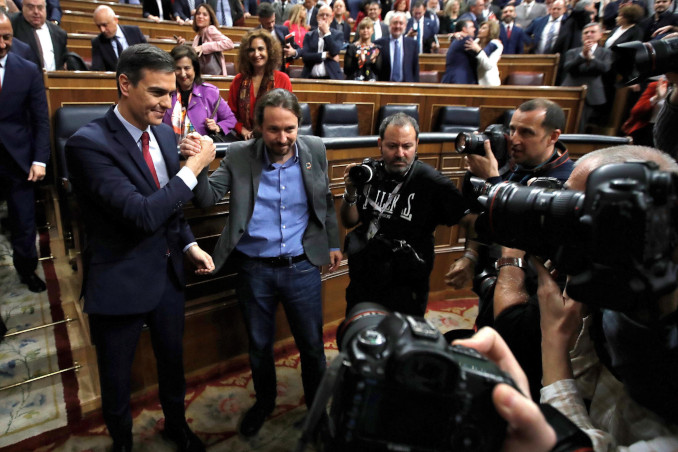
(610, 364)
(395, 203)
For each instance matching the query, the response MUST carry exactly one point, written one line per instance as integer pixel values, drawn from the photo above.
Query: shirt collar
(131, 129)
(118, 32)
(3, 61)
(267, 160)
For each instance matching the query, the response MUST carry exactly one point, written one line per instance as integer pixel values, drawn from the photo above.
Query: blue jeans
(259, 288)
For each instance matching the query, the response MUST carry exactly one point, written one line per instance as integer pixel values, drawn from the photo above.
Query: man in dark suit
(528, 11)
(663, 16)
(381, 30)
(512, 36)
(50, 46)
(185, 11)
(422, 29)
(24, 51)
(460, 62)
(24, 150)
(400, 58)
(229, 12)
(312, 9)
(321, 48)
(474, 13)
(54, 12)
(112, 40)
(267, 18)
(586, 65)
(545, 32)
(280, 230)
(125, 172)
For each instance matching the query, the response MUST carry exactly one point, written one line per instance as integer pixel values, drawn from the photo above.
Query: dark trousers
(259, 288)
(115, 338)
(20, 195)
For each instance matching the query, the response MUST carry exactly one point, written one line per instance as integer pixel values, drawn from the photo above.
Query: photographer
(613, 374)
(390, 252)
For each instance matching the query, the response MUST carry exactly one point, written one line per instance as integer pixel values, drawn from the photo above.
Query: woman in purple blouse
(196, 105)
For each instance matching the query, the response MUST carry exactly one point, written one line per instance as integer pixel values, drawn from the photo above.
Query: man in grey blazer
(527, 11)
(586, 65)
(282, 227)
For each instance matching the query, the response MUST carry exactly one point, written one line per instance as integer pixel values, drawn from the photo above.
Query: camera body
(469, 143)
(615, 240)
(368, 171)
(649, 58)
(405, 388)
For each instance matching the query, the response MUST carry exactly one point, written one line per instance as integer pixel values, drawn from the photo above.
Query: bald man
(112, 40)
(321, 48)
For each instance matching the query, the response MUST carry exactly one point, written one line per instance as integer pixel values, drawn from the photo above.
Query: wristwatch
(509, 261)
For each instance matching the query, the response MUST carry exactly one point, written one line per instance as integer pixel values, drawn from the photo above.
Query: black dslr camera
(615, 240)
(649, 58)
(366, 172)
(401, 386)
(469, 143)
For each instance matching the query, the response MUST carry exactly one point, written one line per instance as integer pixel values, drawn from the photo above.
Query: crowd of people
(282, 225)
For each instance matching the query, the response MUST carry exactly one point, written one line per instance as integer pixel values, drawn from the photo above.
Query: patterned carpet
(214, 408)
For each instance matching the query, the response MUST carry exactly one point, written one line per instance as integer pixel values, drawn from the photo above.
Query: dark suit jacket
(460, 64)
(430, 30)
(515, 45)
(237, 11)
(24, 51)
(344, 28)
(563, 40)
(311, 56)
(131, 224)
(24, 31)
(150, 7)
(24, 121)
(239, 173)
(53, 9)
(182, 9)
(410, 59)
(650, 25)
(103, 56)
(579, 72)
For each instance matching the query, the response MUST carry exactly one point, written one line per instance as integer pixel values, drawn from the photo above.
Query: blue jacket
(310, 55)
(460, 64)
(519, 39)
(410, 59)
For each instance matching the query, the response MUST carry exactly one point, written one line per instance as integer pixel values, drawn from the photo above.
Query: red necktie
(147, 157)
(508, 32)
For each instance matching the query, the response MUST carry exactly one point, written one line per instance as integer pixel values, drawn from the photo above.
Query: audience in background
(381, 30)
(157, 11)
(545, 32)
(400, 59)
(460, 62)
(113, 39)
(339, 21)
(196, 105)
(259, 58)
(209, 43)
(47, 40)
(402, 6)
(450, 15)
(322, 46)
(612, 9)
(266, 14)
(529, 10)
(229, 13)
(640, 123)
(663, 16)
(488, 49)
(183, 12)
(297, 23)
(363, 58)
(512, 36)
(423, 29)
(474, 13)
(54, 12)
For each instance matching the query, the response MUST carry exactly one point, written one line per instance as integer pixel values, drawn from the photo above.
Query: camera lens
(360, 174)
(361, 317)
(460, 142)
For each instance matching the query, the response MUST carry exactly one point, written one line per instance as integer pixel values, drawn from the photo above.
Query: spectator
(449, 18)
(209, 43)
(612, 9)
(339, 21)
(229, 13)
(185, 10)
(374, 12)
(297, 24)
(667, 120)
(545, 32)
(402, 6)
(529, 10)
(662, 17)
(311, 7)
(113, 39)
(644, 113)
(157, 10)
(9, 7)
(460, 62)
(488, 49)
(47, 40)
(400, 59)
(627, 29)
(474, 13)
(422, 29)
(363, 58)
(54, 12)
(321, 49)
(259, 57)
(512, 36)
(196, 105)
(267, 21)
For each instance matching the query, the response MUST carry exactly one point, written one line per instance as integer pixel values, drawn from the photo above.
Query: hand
(211, 125)
(662, 88)
(435, 47)
(335, 260)
(470, 44)
(336, 58)
(190, 145)
(153, 18)
(246, 15)
(460, 273)
(179, 20)
(181, 40)
(203, 262)
(197, 162)
(412, 33)
(350, 188)
(483, 166)
(188, 22)
(588, 50)
(198, 50)
(289, 51)
(36, 173)
(323, 27)
(375, 55)
(247, 134)
(527, 427)
(664, 30)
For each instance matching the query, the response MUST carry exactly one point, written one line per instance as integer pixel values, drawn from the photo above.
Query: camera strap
(374, 224)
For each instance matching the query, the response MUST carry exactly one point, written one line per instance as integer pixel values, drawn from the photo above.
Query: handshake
(199, 151)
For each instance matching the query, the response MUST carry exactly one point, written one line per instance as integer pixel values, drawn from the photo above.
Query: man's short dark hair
(460, 25)
(419, 3)
(398, 120)
(278, 97)
(265, 10)
(135, 59)
(554, 118)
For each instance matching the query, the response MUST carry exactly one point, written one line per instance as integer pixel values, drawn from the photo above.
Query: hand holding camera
(483, 166)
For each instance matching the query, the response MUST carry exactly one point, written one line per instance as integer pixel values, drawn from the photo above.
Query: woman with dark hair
(196, 105)
(209, 43)
(627, 29)
(259, 57)
(488, 49)
(363, 60)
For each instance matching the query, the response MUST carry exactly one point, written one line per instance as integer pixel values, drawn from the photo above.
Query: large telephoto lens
(468, 143)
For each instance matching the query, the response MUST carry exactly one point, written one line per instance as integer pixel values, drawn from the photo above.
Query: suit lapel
(307, 171)
(107, 52)
(256, 167)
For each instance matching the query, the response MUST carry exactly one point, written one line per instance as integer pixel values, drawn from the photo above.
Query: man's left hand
(203, 262)
(36, 173)
(460, 273)
(485, 166)
(335, 260)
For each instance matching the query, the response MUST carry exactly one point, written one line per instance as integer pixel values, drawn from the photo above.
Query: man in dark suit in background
(267, 18)
(512, 36)
(54, 12)
(185, 11)
(50, 46)
(125, 172)
(24, 150)
(422, 29)
(229, 12)
(545, 32)
(24, 51)
(586, 65)
(400, 58)
(321, 48)
(280, 230)
(460, 62)
(474, 13)
(380, 28)
(113, 39)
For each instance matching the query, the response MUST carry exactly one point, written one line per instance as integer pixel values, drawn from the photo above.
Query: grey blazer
(239, 173)
(579, 72)
(523, 19)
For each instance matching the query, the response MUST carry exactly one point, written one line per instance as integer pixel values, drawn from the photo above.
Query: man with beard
(512, 36)
(390, 252)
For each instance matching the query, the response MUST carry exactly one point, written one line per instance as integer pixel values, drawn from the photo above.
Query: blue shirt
(280, 215)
